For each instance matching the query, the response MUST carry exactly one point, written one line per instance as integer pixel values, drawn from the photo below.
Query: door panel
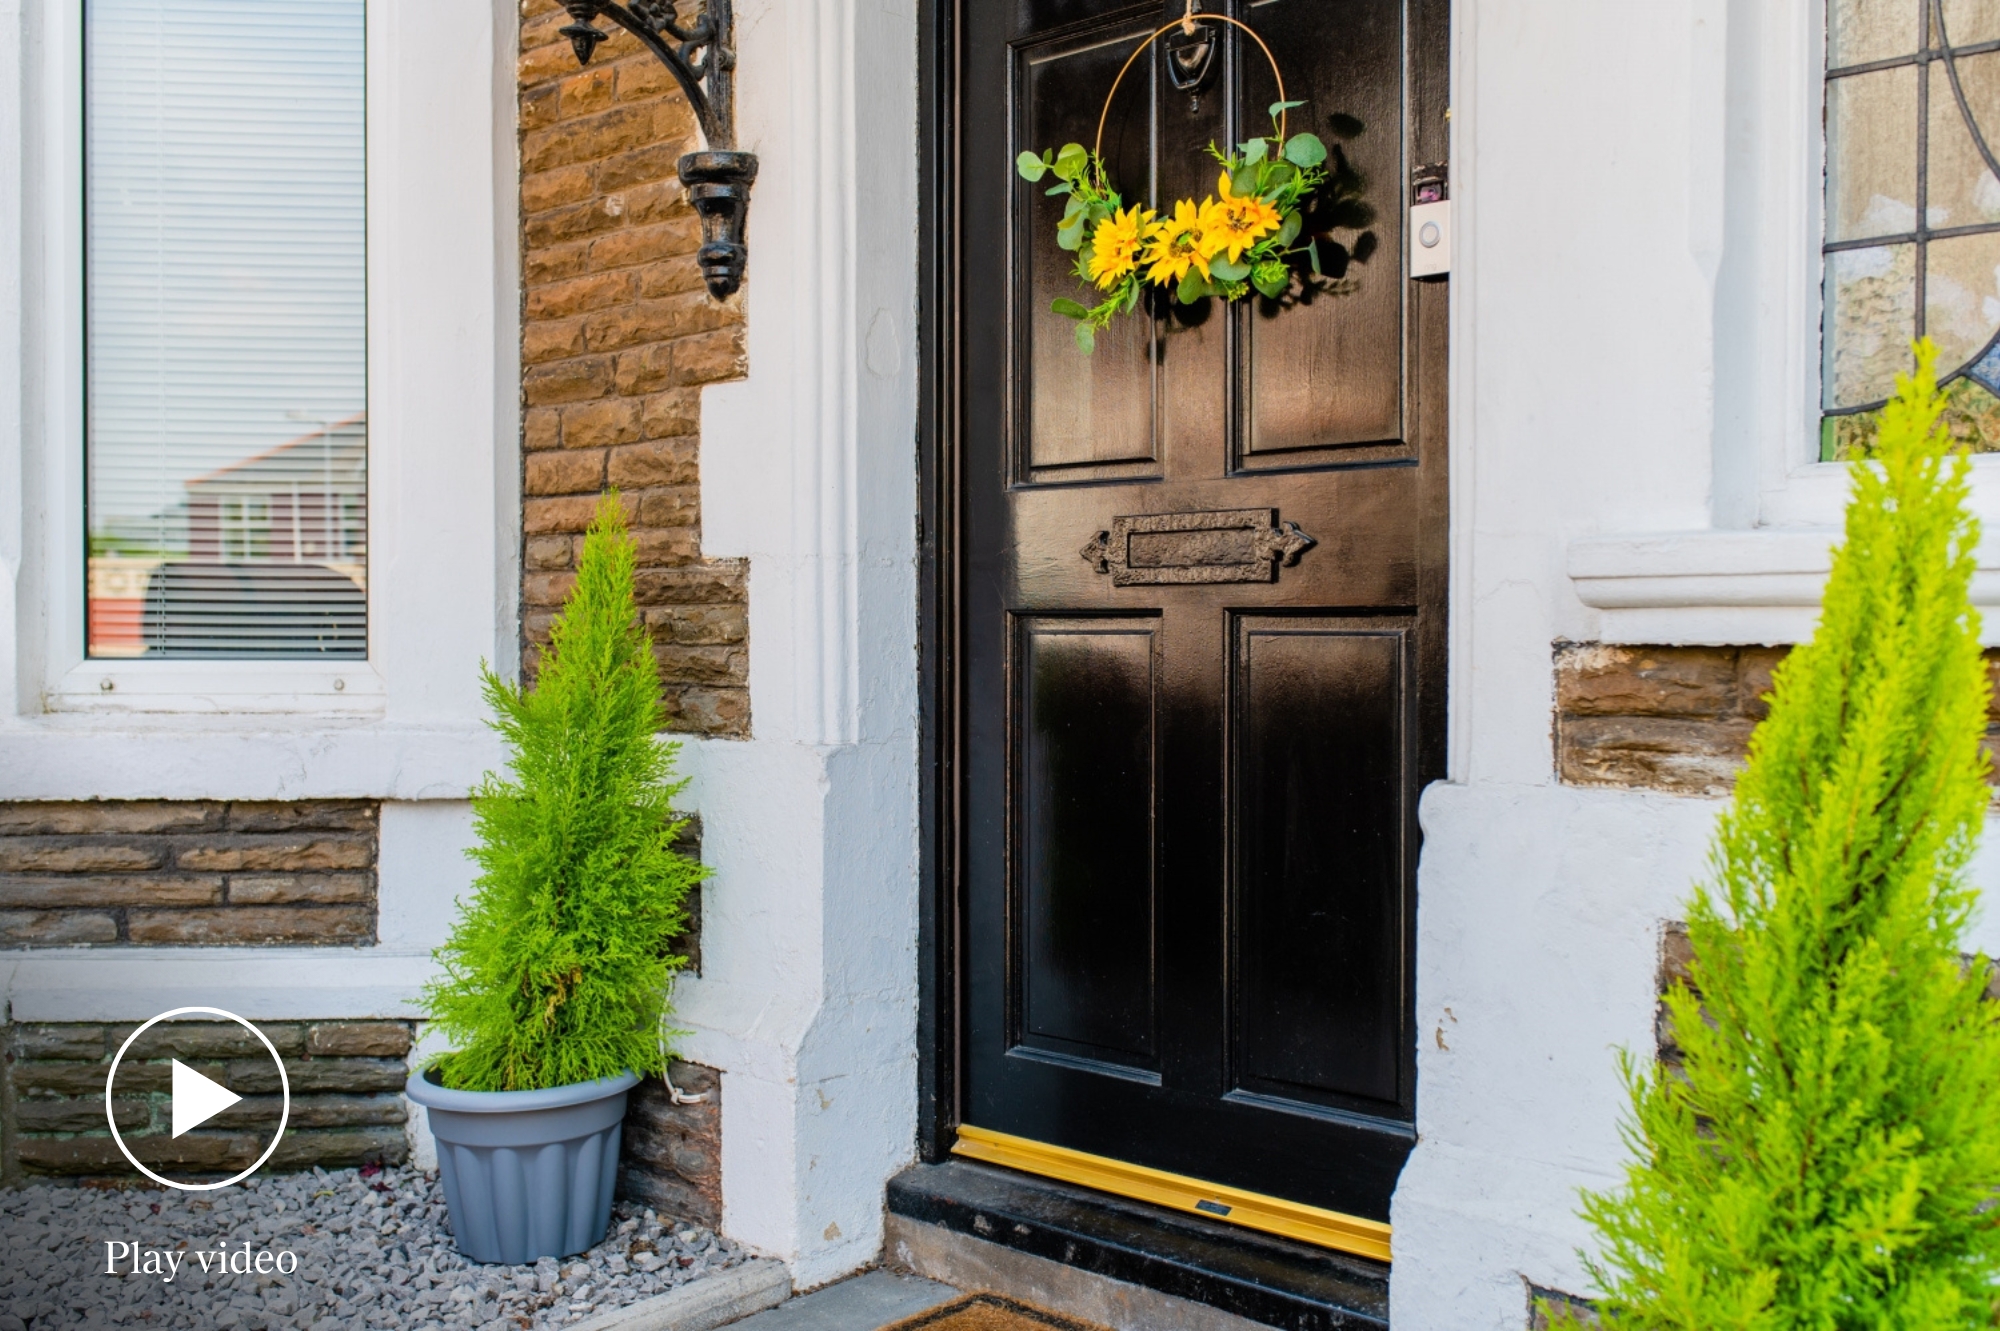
(1086, 798)
(1328, 373)
(1322, 768)
(1201, 620)
(1102, 411)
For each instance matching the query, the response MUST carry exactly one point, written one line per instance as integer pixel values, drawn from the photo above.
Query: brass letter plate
(1231, 545)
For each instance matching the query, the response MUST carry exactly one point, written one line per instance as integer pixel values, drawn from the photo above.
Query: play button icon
(197, 1099)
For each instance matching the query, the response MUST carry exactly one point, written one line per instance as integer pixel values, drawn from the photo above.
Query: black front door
(1203, 616)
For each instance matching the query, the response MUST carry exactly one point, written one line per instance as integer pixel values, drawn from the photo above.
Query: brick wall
(1675, 719)
(618, 335)
(346, 1079)
(671, 1155)
(187, 873)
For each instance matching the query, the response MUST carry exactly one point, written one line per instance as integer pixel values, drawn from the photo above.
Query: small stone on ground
(373, 1252)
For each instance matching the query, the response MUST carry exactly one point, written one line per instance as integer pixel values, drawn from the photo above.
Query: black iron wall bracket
(702, 58)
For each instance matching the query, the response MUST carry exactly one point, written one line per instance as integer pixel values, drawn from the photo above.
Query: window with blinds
(226, 456)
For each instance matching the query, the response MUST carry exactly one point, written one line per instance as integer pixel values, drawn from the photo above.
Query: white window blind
(225, 270)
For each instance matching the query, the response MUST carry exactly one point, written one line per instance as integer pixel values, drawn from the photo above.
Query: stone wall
(1674, 719)
(618, 335)
(346, 1080)
(1541, 1300)
(671, 1157)
(187, 873)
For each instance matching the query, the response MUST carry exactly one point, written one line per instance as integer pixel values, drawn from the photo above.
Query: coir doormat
(991, 1312)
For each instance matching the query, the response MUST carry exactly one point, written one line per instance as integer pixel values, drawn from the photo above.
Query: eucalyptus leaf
(1253, 151)
(1071, 237)
(1086, 339)
(1223, 270)
(1192, 288)
(1064, 188)
(1030, 166)
(1071, 161)
(1070, 309)
(1243, 183)
(1279, 108)
(1305, 150)
(1288, 230)
(1272, 284)
(1312, 253)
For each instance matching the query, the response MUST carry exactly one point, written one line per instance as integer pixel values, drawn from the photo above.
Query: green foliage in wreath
(1240, 239)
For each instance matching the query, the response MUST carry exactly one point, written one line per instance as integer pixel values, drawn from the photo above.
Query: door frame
(939, 692)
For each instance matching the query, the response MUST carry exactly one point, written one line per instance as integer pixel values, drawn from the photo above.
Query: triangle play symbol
(197, 1099)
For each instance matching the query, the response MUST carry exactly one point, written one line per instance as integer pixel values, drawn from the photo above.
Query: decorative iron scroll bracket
(702, 58)
(1179, 549)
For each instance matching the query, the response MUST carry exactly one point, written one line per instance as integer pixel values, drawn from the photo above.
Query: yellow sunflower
(1239, 221)
(1115, 245)
(1178, 243)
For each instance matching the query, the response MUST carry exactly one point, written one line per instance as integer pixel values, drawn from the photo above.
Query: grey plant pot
(527, 1174)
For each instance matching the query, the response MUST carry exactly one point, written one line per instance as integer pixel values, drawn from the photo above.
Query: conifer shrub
(1828, 1156)
(560, 967)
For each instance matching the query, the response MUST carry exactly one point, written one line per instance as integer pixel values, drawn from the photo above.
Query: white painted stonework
(1634, 372)
(808, 994)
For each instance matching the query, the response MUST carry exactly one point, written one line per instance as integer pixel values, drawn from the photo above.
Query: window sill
(263, 984)
(157, 756)
(124, 687)
(1726, 587)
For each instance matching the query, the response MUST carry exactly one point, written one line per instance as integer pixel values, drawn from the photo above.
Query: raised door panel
(1080, 411)
(1321, 758)
(1325, 369)
(1085, 867)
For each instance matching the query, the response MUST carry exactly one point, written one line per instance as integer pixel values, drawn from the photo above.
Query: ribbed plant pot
(527, 1174)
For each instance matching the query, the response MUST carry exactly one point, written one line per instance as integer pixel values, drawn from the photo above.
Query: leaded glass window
(1912, 211)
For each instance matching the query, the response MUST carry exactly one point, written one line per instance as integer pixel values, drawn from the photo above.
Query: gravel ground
(371, 1251)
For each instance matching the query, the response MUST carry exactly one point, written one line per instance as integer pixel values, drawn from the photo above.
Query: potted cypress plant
(1828, 1154)
(558, 973)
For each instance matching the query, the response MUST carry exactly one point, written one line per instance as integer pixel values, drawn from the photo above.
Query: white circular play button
(197, 1098)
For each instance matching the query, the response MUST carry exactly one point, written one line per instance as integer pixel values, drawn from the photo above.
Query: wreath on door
(1242, 238)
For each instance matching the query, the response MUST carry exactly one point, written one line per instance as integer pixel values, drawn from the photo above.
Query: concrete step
(867, 1302)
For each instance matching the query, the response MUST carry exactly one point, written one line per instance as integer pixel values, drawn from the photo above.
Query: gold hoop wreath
(1238, 240)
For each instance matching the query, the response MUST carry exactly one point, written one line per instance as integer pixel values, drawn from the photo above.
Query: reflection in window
(226, 455)
(1912, 211)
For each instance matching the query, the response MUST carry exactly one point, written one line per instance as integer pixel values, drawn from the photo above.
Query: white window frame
(75, 682)
(443, 497)
(1754, 575)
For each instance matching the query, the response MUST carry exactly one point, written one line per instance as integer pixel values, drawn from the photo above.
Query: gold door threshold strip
(1253, 1210)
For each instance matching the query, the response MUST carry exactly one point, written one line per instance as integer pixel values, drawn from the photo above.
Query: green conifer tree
(1828, 1157)
(560, 967)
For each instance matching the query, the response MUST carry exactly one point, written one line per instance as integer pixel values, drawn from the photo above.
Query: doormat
(990, 1312)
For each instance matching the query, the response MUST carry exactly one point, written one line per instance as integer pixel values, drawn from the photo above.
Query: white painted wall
(1635, 332)
(807, 999)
